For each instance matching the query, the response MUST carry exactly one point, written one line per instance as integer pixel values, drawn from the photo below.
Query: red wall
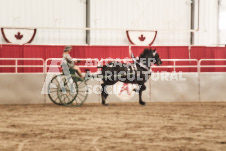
(201, 52)
(166, 52)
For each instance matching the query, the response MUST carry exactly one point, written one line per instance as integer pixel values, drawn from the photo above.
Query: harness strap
(140, 64)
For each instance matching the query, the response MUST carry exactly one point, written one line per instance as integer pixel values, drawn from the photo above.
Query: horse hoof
(104, 103)
(142, 103)
(135, 90)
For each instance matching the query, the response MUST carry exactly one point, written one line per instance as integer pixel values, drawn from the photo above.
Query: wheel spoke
(71, 95)
(80, 84)
(52, 91)
(54, 94)
(81, 95)
(82, 91)
(79, 98)
(61, 97)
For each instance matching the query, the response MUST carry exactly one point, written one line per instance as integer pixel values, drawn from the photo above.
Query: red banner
(165, 52)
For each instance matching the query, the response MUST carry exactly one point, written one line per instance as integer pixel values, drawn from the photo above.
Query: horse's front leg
(142, 88)
(104, 94)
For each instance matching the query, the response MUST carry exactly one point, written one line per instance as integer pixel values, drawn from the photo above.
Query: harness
(134, 65)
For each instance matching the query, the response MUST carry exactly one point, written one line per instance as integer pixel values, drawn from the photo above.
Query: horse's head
(157, 58)
(150, 56)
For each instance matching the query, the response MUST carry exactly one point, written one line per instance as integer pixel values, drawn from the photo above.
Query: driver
(71, 63)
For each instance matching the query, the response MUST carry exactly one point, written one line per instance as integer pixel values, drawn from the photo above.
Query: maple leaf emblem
(141, 38)
(18, 36)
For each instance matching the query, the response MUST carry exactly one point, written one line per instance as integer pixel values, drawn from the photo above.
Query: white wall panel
(47, 13)
(186, 89)
(212, 87)
(140, 14)
(222, 22)
(28, 90)
(208, 23)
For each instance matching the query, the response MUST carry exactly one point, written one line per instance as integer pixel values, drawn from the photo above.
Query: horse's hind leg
(142, 88)
(104, 93)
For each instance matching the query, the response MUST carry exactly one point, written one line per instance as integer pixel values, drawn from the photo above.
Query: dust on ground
(120, 126)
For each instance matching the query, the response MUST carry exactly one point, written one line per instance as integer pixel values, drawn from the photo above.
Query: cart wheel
(62, 90)
(81, 92)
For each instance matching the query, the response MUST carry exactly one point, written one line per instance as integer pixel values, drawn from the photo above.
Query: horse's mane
(145, 52)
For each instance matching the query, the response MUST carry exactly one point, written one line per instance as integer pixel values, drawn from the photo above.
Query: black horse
(137, 73)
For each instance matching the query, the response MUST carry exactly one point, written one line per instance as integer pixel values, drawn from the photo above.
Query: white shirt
(68, 59)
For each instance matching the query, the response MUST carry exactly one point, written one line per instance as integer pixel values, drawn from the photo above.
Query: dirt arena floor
(121, 126)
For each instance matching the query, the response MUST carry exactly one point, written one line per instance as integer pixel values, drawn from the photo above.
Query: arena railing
(59, 60)
(210, 66)
(16, 65)
(45, 64)
(174, 66)
(101, 61)
(126, 60)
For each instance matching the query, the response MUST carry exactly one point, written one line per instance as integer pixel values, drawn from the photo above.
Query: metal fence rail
(45, 64)
(96, 62)
(209, 66)
(59, 61)
(16, 66)
(174, 66)
(101, 61)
